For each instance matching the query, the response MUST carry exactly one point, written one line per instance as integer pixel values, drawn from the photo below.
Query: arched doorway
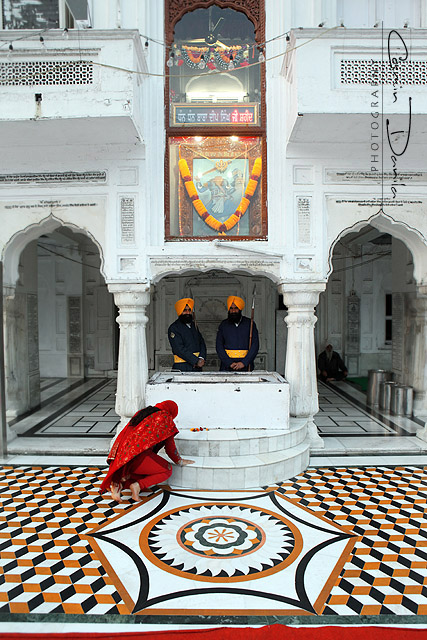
(82, 308)
(373, 308)
(59, 313)
(355, 310)
(210, 291)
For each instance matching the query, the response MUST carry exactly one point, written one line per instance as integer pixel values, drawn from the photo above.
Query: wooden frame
(219, 147)
(255, 12)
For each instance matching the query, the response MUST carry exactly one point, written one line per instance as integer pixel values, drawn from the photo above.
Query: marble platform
(347, 427)
(243, 458)
(223, 400)
(246, 437)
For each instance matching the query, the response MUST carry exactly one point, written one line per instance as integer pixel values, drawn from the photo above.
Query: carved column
(301, 369)
(132, 301)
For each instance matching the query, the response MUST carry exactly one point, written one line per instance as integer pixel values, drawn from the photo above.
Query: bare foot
(134, 489)
(115, 492)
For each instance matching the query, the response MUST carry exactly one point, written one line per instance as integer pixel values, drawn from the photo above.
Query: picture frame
(220, 168)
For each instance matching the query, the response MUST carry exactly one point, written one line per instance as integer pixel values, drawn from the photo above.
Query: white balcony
(68, 90)
(332, 82)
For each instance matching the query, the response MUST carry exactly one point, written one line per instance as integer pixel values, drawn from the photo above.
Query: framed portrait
(216, 187)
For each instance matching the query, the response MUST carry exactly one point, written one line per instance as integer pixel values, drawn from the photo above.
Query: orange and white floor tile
(337, 541)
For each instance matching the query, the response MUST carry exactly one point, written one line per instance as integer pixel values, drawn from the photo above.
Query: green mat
(361, 383)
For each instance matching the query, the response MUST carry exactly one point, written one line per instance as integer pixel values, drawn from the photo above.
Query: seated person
(331, 365)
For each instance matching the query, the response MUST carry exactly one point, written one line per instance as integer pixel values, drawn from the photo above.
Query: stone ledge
(242, 472)
(240, 442)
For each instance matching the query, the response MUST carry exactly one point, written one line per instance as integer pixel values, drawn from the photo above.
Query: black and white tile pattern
(340, 414)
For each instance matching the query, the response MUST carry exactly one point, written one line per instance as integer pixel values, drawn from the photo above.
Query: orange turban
(180, 305)
(239, 302)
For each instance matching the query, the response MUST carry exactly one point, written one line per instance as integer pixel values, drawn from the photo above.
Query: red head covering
(168, 405)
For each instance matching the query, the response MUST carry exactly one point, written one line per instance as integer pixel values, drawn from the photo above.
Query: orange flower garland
(210, 220)
(195, 53)
(225, 54)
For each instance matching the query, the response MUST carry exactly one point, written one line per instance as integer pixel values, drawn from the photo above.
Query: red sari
(133, 456)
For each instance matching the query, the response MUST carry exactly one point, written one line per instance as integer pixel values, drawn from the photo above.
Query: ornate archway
(378, 291)
(18, 241)
(53, 283)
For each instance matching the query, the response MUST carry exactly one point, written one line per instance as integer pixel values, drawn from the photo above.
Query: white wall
(21, 337)
(360, 14)
(58, 278)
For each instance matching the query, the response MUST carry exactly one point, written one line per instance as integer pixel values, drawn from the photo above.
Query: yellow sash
(177, 359)
(236, 353)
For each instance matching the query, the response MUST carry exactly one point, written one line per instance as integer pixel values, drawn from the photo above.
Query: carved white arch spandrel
(19, 240)
(412, 237)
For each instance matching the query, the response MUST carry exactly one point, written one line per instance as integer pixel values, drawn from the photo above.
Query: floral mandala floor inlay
(221, 542)
(256, 544)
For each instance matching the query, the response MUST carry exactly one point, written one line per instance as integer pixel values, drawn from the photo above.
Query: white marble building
(96, 222)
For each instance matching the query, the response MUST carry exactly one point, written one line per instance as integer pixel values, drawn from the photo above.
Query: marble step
(242, 471)
(59, 446)
(240, 442)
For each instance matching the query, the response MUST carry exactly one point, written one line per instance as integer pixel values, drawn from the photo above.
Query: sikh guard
(186, 341)
(237, 340)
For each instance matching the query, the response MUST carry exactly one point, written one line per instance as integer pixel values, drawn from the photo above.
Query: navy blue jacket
(231, 337)
(185, 341)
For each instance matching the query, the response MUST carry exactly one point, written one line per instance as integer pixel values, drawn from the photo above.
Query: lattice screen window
(52, 72)
(412, 72)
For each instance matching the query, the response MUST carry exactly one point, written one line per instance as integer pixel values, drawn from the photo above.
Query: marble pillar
(132, 301)
(419, 360)
(301, 369)
(17, 398)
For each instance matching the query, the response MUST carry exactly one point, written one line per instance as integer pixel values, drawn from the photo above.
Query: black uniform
(185, 341)
(234, 338)
(335, 367)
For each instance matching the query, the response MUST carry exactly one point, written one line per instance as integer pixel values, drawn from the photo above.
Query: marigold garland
(226, 53)
(195, 53)
(210, 220)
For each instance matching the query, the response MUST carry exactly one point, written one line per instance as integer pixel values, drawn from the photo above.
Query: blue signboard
(230, 114)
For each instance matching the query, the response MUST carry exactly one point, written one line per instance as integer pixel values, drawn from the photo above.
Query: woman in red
(133, 458)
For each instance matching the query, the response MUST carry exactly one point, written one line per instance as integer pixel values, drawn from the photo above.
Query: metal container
(402, 400)
(385, 395)
(398, 400)
(408, 402)
(375, 377)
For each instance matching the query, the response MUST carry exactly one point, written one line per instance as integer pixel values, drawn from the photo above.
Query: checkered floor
(385, 506)
(341, 415)
(94, 415)
(48, 565)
